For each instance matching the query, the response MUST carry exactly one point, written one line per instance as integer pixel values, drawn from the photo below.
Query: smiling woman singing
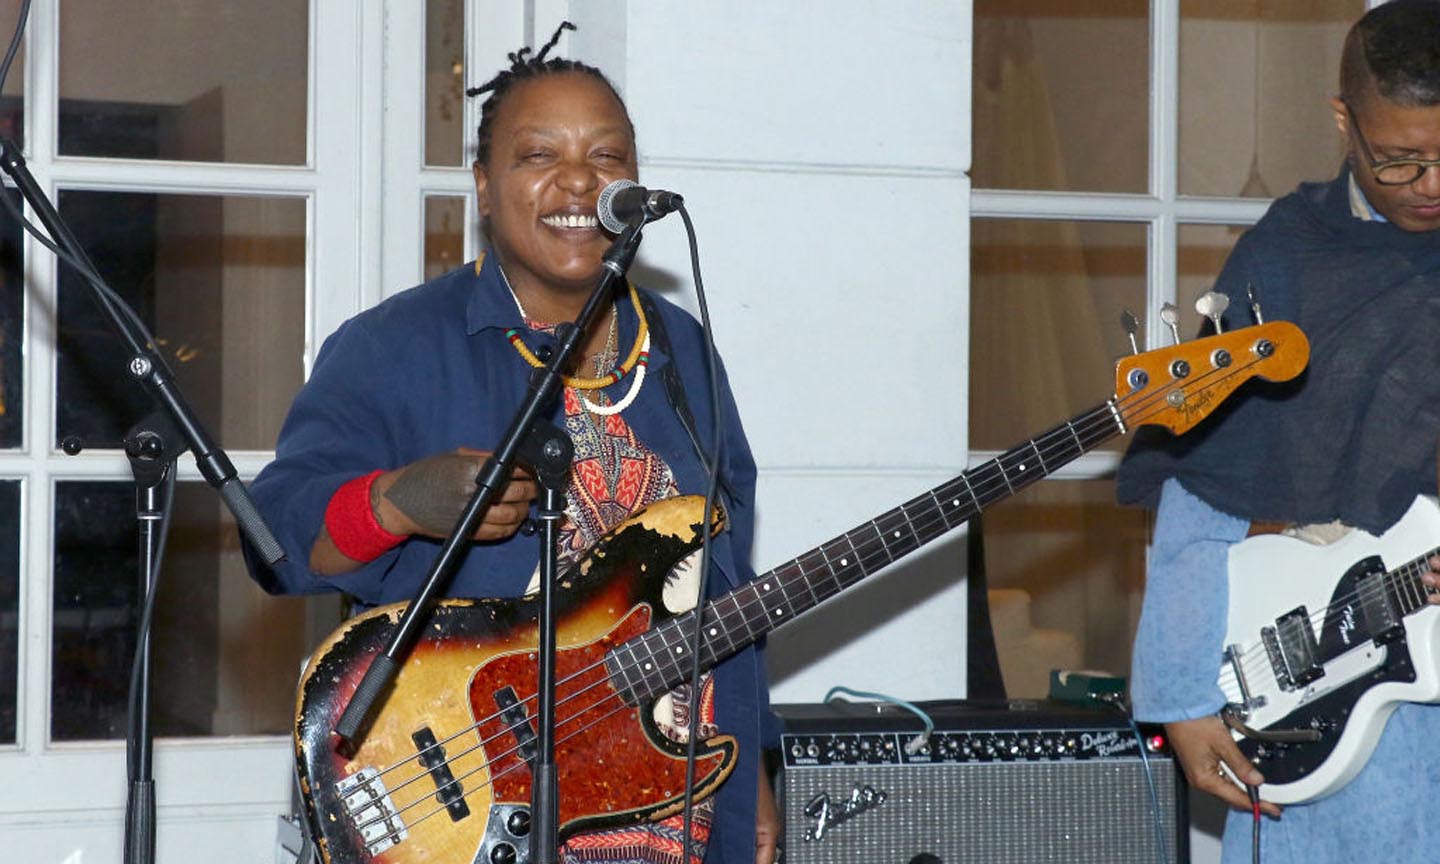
(379, 452)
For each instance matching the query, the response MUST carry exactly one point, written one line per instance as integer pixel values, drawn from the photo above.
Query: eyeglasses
(1391, 172)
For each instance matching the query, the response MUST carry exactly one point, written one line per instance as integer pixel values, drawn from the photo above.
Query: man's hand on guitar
(1432, 580)
(428, 496)
(1203, 747)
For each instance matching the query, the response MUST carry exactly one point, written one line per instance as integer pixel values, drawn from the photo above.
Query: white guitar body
(1343, 684)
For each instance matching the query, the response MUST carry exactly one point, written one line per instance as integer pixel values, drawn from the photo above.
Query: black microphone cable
(712, 466)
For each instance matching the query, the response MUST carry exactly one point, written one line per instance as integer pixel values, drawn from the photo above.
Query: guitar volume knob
(503, 853)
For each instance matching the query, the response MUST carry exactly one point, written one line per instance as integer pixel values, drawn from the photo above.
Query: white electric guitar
(1324, 642)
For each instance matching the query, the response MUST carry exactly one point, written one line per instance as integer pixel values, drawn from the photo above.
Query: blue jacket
(430, 370)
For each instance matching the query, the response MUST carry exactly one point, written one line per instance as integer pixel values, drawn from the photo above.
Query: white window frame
(1162, 211)
(64, 799)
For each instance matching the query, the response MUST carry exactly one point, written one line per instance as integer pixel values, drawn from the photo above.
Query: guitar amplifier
(1001, 783)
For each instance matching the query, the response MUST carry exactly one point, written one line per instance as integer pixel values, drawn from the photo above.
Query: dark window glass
(12, 331)
(9, 607)
(226, 656)
(219, 280)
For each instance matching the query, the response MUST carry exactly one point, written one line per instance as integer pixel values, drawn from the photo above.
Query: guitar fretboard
(656, 661)
(1404, 585)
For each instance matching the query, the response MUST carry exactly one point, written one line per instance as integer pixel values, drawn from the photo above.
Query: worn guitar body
(1373, 642)
(441, 774)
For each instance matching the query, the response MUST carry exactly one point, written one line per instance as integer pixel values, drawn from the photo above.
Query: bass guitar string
(1099, 417)
(1097, 414)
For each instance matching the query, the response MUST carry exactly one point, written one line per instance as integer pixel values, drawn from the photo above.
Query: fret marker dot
(648, 667)
(1021, 466)
(844, 562)
(679, 649)
(897, 535)
(955, 503)
(778, 612)
(766, 586)
(714, 632)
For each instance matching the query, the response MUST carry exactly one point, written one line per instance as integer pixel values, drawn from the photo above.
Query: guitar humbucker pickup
(1378, 608)
(1293, 650)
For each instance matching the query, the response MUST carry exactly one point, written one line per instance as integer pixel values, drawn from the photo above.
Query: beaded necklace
(636, 362)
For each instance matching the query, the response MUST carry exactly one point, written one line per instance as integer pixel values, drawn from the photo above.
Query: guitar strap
(674, 388)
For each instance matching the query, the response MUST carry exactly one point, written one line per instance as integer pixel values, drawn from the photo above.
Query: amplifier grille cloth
(997, 813)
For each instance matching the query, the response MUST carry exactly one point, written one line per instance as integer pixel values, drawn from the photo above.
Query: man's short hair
(1394, 51)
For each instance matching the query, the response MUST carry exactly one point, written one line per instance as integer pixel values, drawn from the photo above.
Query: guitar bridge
(1247, 703)
(368, 804)
(1293, 651)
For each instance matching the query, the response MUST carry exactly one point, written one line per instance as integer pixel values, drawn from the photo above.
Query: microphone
(623, 200)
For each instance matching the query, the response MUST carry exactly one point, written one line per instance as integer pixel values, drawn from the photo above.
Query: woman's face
(557, 141)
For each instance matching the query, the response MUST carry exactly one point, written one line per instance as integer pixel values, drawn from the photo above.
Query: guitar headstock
(1178, 386)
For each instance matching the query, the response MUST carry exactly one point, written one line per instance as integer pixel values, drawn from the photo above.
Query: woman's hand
(428, 496)
(1203, 746)
(767, 822)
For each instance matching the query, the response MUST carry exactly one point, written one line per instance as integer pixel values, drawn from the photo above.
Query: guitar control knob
(503, 853)
(519, 823)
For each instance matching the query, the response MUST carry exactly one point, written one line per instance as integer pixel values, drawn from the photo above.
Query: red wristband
(352, 524)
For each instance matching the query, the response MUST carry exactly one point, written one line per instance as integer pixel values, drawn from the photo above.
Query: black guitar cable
(1254, 793)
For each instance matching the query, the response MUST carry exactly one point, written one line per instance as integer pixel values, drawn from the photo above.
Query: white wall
(821, 148)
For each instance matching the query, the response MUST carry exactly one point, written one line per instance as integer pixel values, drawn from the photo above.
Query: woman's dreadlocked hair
(525, 65)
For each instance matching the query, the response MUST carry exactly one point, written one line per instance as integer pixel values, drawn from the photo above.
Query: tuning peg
(1131, 324)
(1254, 303)
(1170, 314)
(1212, 304)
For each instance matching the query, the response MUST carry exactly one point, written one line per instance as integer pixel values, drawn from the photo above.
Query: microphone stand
(148, 367)
(548, 450)
(152, 448)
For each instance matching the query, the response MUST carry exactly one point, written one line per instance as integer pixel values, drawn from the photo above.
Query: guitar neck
(749, 612)
(1405, 587)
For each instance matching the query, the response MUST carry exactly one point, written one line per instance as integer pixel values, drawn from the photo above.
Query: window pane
(445, 82)
(444, 234)
(204, 80)
(12, 99)
(226, 656)
(1254, 79)
(1045, 304)
(220, 280)
(1066, 570)
(12, 331)
(1055, 110)
(9, 607)
(1203, 250)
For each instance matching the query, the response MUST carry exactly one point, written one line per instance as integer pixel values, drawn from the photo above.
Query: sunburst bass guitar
(442, 774)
